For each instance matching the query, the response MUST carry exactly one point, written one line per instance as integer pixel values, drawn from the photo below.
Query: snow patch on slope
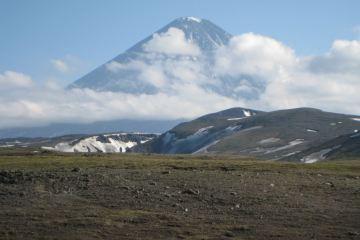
(194, 19)
(250, 129)
(311, 130)
(269, 140)
(317, 156)
(205, 148)
(203, 130)
(109, 143)
(234, 119)
(289, 145)
(233, 128)
(290, 154)
(7, 145)
(247, 113)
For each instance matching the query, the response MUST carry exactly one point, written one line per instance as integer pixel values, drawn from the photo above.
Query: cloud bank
(187, 89)
(10, 80)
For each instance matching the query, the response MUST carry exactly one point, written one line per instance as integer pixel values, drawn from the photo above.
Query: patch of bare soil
(178, 202)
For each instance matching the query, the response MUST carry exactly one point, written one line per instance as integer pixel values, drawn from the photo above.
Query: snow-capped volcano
(205, 34)
(181, 53)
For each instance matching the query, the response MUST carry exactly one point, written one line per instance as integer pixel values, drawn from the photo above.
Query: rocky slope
(268, 135)
(105, 143)
(303, 134)
(345, 146)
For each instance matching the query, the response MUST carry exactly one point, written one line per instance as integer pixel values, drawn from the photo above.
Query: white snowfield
(233, 128)
(311, 130)
(205, 148)
(92, 144)
(356, 119)
(195, 19)
(290, 154)
(269, 140)
(7, 145)
(202, 131)
(289, 145)
(317, 156)
(247, 113)
(234, 119)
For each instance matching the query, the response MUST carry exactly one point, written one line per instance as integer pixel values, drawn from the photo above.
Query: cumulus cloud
(254, 55)
(151, 73)
(189, 86)
(165, 74)
(11, 79)
(45, 104)
(330, 81)
(343, 57)
(172, 42)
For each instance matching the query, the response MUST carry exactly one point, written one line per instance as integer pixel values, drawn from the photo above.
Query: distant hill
(303, 135)
(267, 135)
(60, 129)
(346, 146)
(101, 143)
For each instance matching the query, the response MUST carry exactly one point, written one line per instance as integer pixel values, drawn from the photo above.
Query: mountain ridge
(266, 135)
(99, 127)
(304, 135)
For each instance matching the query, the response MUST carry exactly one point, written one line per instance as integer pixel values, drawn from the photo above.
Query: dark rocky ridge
(267, 135)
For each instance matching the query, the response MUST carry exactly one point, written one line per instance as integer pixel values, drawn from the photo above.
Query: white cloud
(11, 79)
(150, 73)
(44, 105)
(171, 42)
(343, 57)
(254, 55)
(114, 66)
(60, 65)
(330, 81)
(162, 72)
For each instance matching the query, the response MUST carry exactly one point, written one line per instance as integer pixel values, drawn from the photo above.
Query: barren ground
(60, 196)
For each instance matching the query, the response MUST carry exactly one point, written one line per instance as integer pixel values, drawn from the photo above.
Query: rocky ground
(52, 196)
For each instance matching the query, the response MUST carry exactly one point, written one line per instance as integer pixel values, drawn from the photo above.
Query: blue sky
(304, 53)
(90, 32)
